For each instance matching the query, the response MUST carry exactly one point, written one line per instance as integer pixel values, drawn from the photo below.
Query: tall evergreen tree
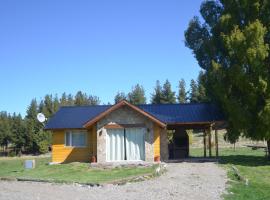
(41, 107)
(137, 95)
(64, 100)
(232, 45)
(182, 94)
(18, 132)
(56, 104)
(202, 96)
(119, 97)
(48, 110)
(32, 126)
(194, 92)
(168, 96)
(93, 100)
(32, 110)
(70, 100)
(81, 99)
(156, 97)
(5, 130)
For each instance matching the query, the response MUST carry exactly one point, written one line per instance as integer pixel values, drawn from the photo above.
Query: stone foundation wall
(125, 115)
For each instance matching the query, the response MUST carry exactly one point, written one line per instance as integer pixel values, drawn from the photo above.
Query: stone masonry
(164, 152)
(125, 115)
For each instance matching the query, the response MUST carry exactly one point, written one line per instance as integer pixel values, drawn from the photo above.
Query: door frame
(125, 146)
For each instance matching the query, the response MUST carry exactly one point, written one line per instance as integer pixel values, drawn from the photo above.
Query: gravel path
(182, 181)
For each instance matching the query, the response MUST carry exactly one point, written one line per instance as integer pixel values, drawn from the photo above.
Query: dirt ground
(182, 181)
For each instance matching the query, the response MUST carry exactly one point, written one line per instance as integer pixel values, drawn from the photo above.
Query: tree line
(163, 94)
(26, 135)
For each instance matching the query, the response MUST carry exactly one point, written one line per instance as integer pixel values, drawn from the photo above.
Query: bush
(43, 147)
(42, 141)
(12, 153)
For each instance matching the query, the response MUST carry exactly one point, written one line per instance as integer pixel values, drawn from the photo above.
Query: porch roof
(75, 117)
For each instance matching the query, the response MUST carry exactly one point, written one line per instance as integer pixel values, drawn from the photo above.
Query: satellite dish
(41, 117)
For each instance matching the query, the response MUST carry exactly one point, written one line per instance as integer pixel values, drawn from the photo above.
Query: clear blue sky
(97, 46)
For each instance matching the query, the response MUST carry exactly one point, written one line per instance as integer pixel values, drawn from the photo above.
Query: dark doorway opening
(179, 144)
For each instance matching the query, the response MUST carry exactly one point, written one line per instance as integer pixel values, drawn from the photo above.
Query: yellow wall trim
(156, 140)
(62, 154)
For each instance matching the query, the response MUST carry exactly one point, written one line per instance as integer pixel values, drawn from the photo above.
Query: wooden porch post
(209, 141)
(216, 141)
(204, 143)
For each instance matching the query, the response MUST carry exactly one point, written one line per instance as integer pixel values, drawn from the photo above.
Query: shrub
(43, 147)
(12, 153)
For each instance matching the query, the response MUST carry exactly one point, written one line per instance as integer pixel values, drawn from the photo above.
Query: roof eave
(65, 128)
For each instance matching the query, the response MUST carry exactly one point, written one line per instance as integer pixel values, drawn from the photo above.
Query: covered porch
(179, 144)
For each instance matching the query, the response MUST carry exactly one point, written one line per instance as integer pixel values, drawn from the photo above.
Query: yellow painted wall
(61, 153)
(93, 141)
(156, 141)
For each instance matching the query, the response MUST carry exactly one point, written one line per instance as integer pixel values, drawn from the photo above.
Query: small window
(75, 139)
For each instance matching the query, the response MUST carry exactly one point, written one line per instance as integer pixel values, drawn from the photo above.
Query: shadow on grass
(244, 160)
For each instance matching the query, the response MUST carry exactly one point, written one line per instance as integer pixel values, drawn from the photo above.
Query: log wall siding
(62, 154)
(156, 141)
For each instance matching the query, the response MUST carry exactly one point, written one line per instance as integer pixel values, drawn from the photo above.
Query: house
(126, 132)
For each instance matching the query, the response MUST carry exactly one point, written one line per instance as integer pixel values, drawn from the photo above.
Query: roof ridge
(149, 104)
(184, 104)
(85, 106)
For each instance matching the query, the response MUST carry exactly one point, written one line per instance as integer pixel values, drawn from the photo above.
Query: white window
(75, 138)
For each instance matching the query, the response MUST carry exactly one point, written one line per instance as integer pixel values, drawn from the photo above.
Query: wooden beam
(117, 126)
(204, 143)
(209, 141)
(216, 141)
(192, 123)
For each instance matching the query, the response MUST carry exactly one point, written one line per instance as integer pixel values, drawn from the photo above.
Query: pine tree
(202, 97)
(182, 94)
(41, 107)
(56, 104)
(32, 110)
(64, 100)
(81, 99)
(232, 45)
(32, 127)
(5, 130)
(156, 97)
(168, 96)
(194, 93)
(93, 100)
(137, 95)
(18, 133)
(70, 100)
(48, 110)
(119, 97)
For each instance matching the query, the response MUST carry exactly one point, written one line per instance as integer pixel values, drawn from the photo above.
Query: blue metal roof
(74, 116)
(77, 116)
(184, 113)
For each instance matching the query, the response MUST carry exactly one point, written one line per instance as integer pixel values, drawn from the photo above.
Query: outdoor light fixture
(100, 132)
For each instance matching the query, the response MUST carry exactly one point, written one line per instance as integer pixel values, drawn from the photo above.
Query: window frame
(70, 132)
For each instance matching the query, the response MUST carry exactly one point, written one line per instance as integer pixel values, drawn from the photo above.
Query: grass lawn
(72, 172)
(253, 165)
